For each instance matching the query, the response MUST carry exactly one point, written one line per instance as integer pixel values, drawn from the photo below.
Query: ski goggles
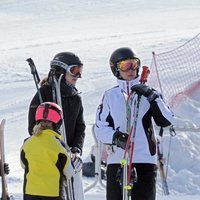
(75, 70)
(126, 65)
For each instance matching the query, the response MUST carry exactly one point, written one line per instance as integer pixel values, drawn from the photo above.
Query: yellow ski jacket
(46, 163)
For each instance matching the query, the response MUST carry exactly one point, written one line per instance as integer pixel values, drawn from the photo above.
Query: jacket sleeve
(64, 164)
(79, 129)
(162, 114)
(31, 114)
(104, 126)
(23, 160)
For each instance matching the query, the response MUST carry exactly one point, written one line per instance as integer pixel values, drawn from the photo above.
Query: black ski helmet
(121, 54)
(64, 59)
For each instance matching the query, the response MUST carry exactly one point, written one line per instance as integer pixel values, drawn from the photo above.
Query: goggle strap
(60, 64)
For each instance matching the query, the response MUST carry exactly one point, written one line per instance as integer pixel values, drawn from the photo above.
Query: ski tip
(3, 121)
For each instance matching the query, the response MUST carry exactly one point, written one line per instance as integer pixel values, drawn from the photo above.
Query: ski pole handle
(144, 75)
(33, 69)
(35, 76)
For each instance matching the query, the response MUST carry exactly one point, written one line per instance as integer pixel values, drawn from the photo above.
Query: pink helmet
(49, 111)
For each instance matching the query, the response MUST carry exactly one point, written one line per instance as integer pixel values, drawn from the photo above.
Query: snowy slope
(92, 29)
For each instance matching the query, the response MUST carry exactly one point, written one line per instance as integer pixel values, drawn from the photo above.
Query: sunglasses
(126, 65)
(75, 71)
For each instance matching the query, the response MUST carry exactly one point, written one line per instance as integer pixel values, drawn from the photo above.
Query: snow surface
(93, 29)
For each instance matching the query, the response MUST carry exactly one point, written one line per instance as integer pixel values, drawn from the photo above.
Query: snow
(93, 29)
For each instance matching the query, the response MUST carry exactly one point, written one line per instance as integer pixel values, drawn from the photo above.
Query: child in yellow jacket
(44, 157)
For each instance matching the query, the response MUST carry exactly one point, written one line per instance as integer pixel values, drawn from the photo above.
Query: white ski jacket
(111, 116)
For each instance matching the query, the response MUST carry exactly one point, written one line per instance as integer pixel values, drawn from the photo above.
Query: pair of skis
(58, 100)
(5, 195)
(75, 181)
(3, 176)
(129, 173)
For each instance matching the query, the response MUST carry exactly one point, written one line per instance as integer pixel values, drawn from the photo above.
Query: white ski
(5, 195)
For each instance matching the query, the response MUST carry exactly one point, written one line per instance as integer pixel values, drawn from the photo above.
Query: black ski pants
(143, 189)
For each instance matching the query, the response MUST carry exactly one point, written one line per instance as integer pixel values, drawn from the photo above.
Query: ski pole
(143, 80)
(161, 161)
(161, 169)
(35, 76)
(172, 134)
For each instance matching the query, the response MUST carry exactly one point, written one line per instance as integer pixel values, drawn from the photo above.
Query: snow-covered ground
(93, 29)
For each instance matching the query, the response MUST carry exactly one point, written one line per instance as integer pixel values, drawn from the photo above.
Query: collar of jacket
(51, 133)
(125, 86)
(67, 90)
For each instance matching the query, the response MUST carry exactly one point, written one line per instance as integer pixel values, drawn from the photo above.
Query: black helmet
(65, 59)
(62, 61)
(121, 54)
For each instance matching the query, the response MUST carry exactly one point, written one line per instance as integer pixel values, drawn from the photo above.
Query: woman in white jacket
(111, 126)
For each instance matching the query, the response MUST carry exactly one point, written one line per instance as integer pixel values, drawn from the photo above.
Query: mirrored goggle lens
(126, 65)
(75, 71)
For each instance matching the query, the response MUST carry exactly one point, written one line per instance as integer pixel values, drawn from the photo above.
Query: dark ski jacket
(72, 112)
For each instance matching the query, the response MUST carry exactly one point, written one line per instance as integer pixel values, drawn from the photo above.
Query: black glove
(146, 91)
(6, 168)
(76, 150)
(120, 139)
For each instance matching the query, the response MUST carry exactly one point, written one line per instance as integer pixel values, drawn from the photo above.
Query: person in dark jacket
(65, 67)
(70, 66)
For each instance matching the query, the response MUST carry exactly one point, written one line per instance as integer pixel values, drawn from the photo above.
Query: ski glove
(76, 150)
(146, 91)
(77, 163)
(120, 139)
(6, 168)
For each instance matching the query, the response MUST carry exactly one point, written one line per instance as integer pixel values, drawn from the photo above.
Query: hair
(43, 81)
(41, 126)
(55, 71)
